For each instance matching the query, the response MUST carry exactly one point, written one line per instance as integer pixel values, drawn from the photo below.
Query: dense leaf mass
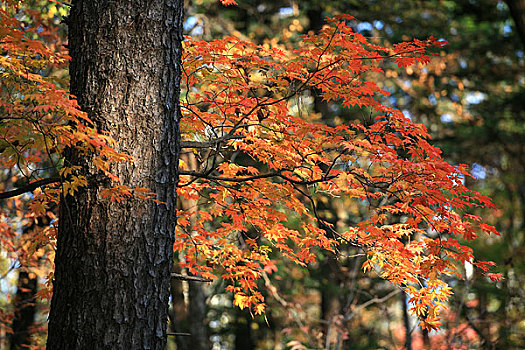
(267, 160)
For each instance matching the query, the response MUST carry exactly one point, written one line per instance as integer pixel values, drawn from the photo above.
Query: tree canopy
(259, 160)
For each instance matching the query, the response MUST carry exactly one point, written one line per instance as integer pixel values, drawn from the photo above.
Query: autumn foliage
(259, 157)
(238, 100)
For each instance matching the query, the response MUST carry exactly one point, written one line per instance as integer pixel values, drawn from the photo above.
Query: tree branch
(178, 276)
(255, 177)
(29, 187)
(374, 300)
(211, 143)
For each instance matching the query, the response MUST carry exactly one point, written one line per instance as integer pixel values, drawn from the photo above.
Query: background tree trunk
(198, 326)
(25, 310)
(406, 321)
(190, 315)
(25, 301)
(113, 260)
(244, 338)
(179, 312)
(517, 11)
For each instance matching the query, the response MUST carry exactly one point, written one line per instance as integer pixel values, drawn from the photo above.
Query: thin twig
(178, 276)
(375, 300)
(210, 143)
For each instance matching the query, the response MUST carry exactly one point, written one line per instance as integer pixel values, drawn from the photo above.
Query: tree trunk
(190, 318)
(243, 330)
(406, 321)
(197, 317)
(26, 294)
(25, 311)
(179, 312)
(517, 11)
(113, 260)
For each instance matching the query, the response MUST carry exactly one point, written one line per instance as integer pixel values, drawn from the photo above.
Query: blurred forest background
(471, 98)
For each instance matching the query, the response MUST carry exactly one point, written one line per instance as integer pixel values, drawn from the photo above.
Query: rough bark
(113, 260)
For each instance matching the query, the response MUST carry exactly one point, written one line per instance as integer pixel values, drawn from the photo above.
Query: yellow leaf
(240, 300)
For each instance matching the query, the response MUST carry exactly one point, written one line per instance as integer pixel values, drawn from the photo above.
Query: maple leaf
(495, 277)
(241, 301)
(228, 2)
